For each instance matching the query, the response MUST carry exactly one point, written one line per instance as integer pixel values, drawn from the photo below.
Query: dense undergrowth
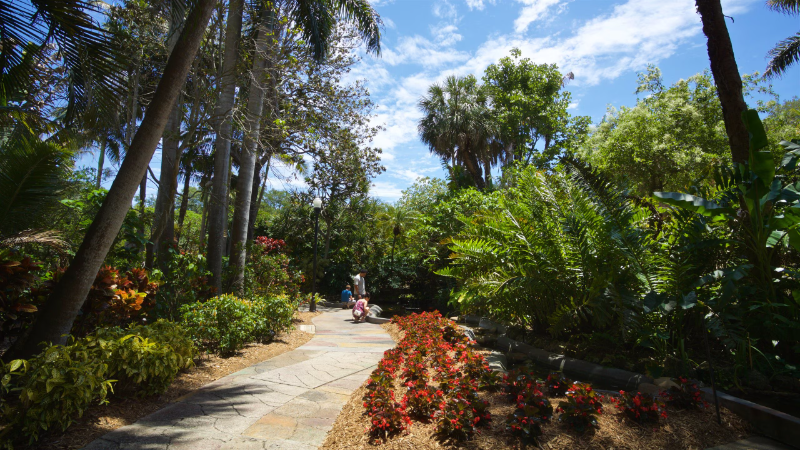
(569, 255)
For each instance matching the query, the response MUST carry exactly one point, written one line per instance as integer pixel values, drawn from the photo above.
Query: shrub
(387, 417)
(116, 299)
(532, 410)
(228, 323)
(640, 407)
(557, 384)
(519, 380)
(686, 395)
(146, 358)
(272, 316)
(420, 400)
(225, 322)
(581, 407)
(55, 387)
(188, 282)
(267, 272)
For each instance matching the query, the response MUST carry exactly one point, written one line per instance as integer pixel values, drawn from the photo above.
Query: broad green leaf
(758, 137)
(692, 203)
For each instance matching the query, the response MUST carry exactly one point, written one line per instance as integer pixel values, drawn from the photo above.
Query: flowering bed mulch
(434, 390)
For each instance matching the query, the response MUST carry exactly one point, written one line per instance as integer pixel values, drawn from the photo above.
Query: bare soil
(683, 429)
(99, 420)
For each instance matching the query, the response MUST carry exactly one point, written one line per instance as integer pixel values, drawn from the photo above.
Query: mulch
(683, 429)
(100, 419)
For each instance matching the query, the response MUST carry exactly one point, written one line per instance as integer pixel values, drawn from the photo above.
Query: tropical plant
(787, 51)
(457, 125)
(759, 205)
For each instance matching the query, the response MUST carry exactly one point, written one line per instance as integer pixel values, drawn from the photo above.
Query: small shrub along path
(287, 402)
(125, 410)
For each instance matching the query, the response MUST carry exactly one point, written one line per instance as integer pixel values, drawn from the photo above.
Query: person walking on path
(361, 310)
(360, 283)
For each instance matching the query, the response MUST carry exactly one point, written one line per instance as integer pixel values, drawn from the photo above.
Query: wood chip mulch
(99, 420)
(681, 430)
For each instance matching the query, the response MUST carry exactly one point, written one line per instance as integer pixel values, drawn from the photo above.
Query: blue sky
(603, 42)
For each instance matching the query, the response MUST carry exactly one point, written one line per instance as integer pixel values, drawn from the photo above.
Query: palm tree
(316, 21)
(787, 52)
(726, 77)
(396, 219)
(457, 125)
(63, 305)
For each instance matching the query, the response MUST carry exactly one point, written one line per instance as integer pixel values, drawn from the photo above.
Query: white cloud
(531, 12)
(443, 9)
(478, 4)
(389, 23)
(445, 35)
(573, 105)
(418, 50)
(386, 190)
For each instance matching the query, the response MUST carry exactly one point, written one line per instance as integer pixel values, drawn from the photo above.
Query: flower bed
(434, 389)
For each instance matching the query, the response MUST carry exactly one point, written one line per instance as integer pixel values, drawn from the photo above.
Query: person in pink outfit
(360, 310)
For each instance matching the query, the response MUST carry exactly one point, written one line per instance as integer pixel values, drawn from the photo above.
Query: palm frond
(93, 66)
(317, 20)
(32, 175)
(48, 238)
(786, 53)
(784, 6)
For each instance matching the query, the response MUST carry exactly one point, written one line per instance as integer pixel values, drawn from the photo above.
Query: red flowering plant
(421, 400)
(432, 348)
(686, 395)
(518, 380)
(581, 408)
(415, 371)
(641, 408)
(557, 384)
(533, 409)
(387, 417)
(460, 415)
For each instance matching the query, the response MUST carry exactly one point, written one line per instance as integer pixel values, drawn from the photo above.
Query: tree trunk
(167, 184)
(255, 200)
(142, 196)
(100, 162)
(247, 162)
(218, 214)
(204, 214)
(487, 172)
(63, 305)
(726, 77)
(184, 200)
(472, 165)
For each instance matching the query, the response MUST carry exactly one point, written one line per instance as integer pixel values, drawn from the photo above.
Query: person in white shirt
(359, 283)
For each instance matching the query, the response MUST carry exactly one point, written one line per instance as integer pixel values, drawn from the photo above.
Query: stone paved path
(287, 402)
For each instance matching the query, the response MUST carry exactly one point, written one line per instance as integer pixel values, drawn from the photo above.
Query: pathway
(287, 402)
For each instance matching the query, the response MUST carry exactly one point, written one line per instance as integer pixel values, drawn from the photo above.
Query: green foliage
(144, 359)
(530, 106)
(671, 138)
(185, 280)
(51, 390)
(540, 257)
(227, 323)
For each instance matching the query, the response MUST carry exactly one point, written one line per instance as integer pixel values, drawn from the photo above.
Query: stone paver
(288, 402)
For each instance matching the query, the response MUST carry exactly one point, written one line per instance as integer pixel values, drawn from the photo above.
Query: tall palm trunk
(247, 162)
(726, 77)
(100, 162)
(167, 183)
(187, 178)
(259, 183)
(63, 305)
(218, 213)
